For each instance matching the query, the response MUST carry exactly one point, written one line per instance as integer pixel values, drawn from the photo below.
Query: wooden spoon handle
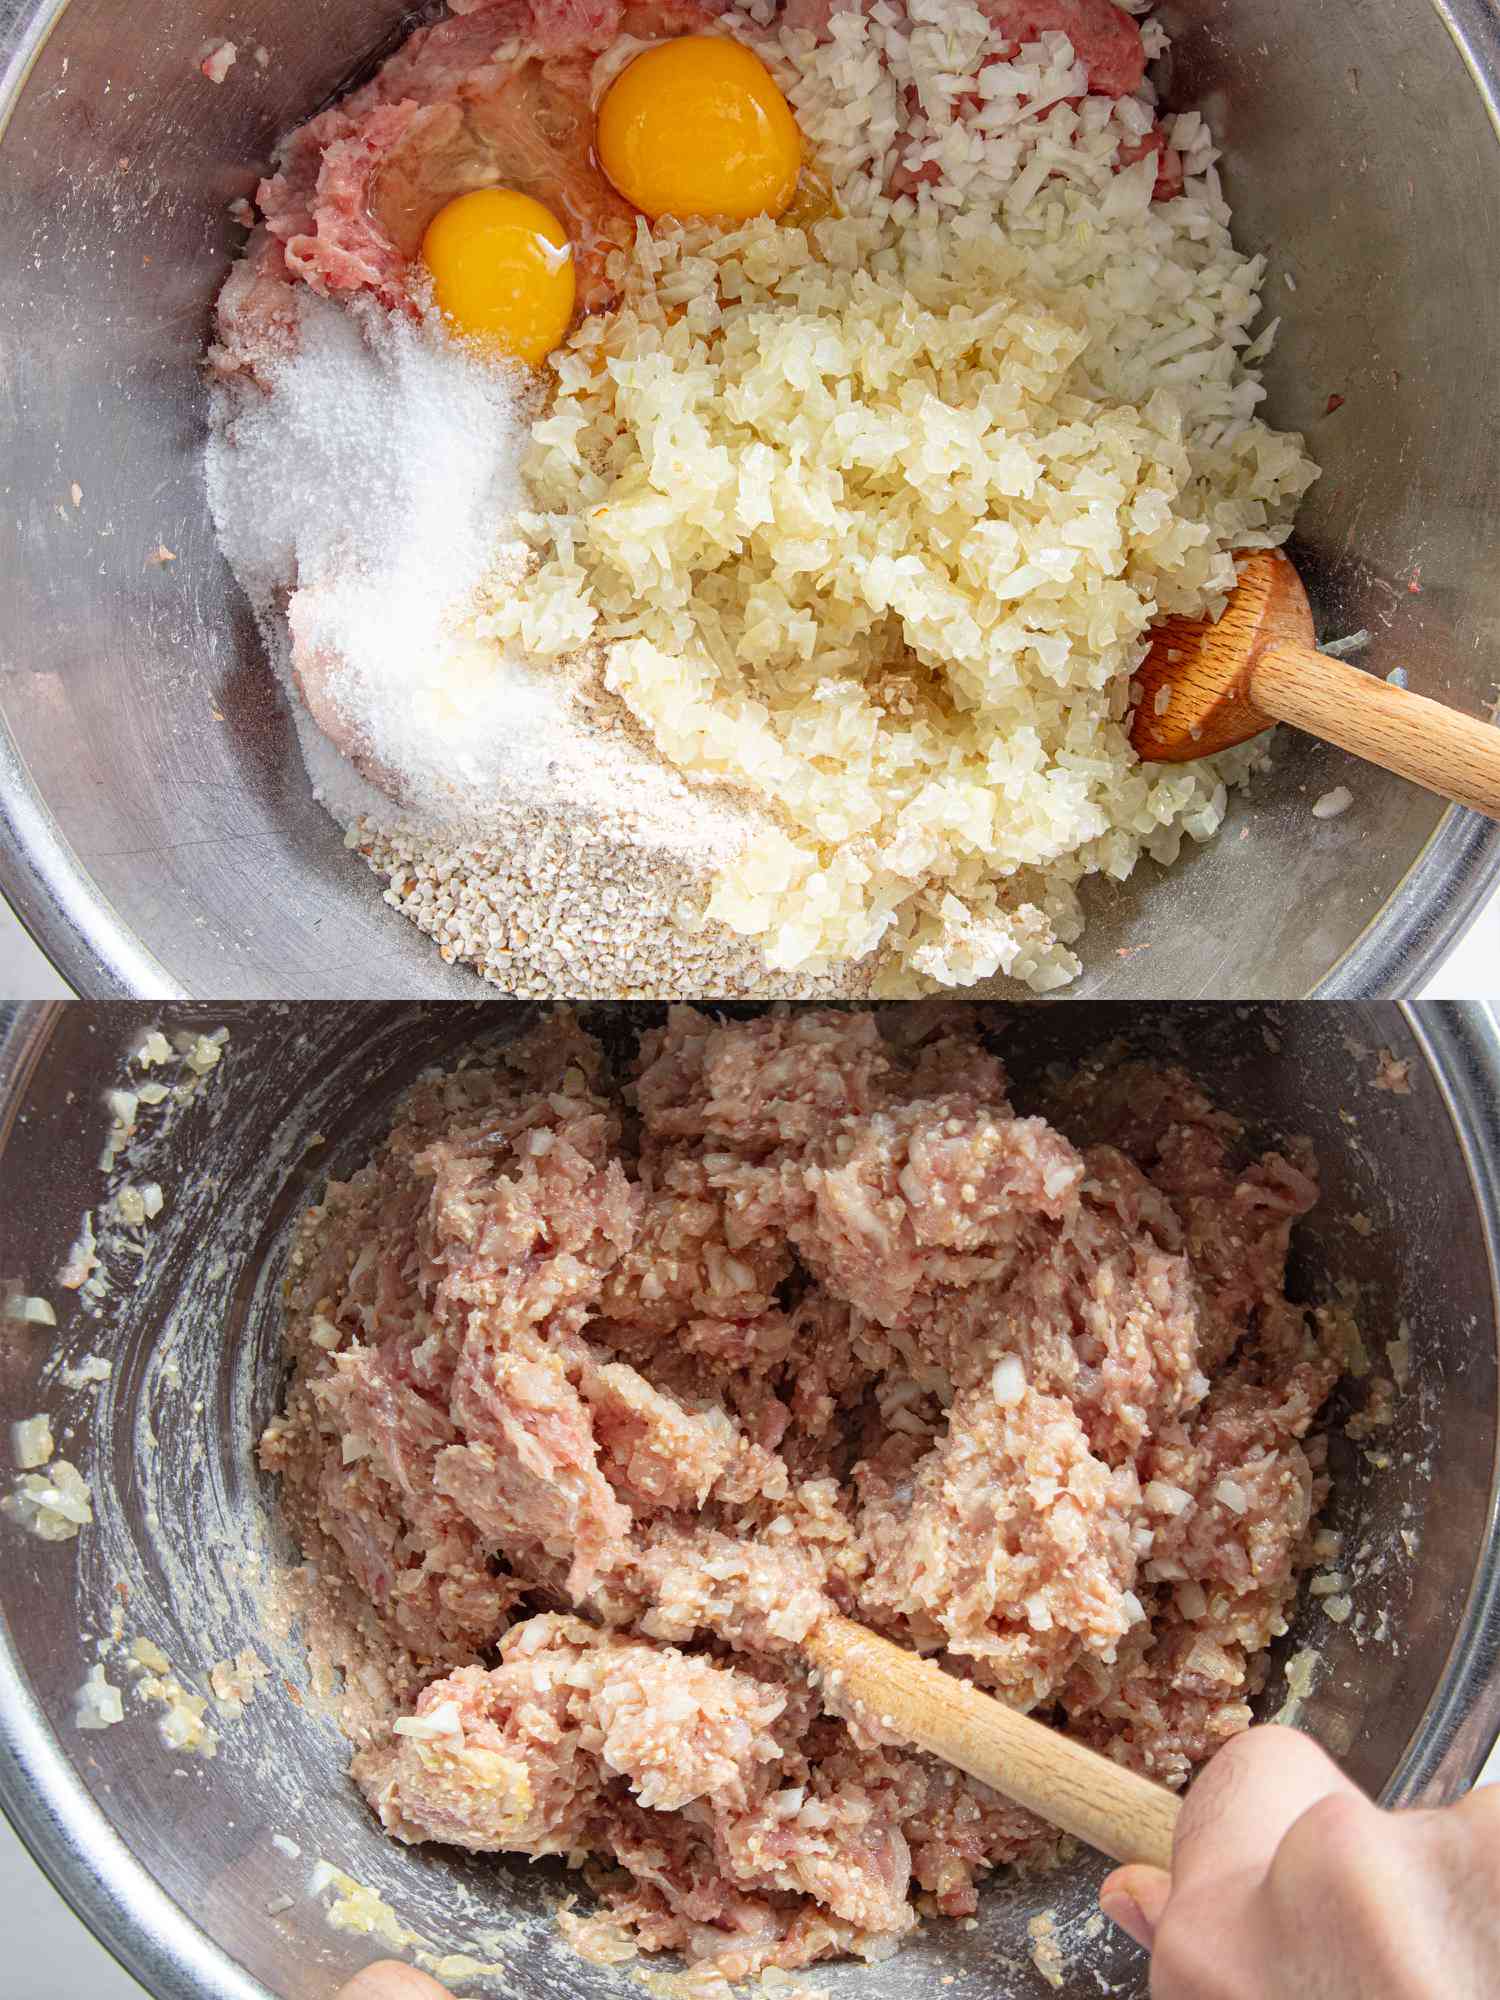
(1435, 746)
(1097, 1800)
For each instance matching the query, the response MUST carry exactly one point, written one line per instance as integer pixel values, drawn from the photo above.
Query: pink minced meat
(1106, 40)
(606, 1390)
(495, 93)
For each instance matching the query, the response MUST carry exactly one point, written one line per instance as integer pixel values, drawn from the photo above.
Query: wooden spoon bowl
(1207, 687)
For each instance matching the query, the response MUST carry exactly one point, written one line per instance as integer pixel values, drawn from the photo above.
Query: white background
(1471, 973)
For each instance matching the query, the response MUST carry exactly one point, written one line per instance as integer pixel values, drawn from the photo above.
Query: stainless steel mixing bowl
(174, 1863)
(158, 830)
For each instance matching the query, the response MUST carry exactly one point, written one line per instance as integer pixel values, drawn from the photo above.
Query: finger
(1245, 1801)
(1134, 1899)
(391, 1980)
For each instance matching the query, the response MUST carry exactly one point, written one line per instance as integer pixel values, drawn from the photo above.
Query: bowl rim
(101, 957)
(159, 1944)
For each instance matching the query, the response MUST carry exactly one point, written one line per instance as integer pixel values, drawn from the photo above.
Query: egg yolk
(502, 272)
(697, 126)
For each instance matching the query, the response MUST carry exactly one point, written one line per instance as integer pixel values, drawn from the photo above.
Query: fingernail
(1127, 1915)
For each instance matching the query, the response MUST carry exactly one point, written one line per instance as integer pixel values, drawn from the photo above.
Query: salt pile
(367, 505)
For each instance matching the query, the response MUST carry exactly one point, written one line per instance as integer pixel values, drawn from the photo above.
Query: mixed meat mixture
(607, 1388)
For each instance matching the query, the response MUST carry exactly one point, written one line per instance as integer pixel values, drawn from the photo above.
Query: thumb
(1134, 1899)
(391, 1980)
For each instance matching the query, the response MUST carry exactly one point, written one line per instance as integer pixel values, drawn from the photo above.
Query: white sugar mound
(365, 498)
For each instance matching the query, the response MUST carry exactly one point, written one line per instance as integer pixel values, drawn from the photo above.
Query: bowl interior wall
(157, 806)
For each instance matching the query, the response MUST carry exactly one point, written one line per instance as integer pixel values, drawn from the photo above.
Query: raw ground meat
(606, 1390)
(496, 93)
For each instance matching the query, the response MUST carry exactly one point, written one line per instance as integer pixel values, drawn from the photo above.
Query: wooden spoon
(1098, 1801)
(1205, 688)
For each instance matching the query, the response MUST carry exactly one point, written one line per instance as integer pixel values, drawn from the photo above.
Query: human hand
(391, 1980)
(1286, 1880)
